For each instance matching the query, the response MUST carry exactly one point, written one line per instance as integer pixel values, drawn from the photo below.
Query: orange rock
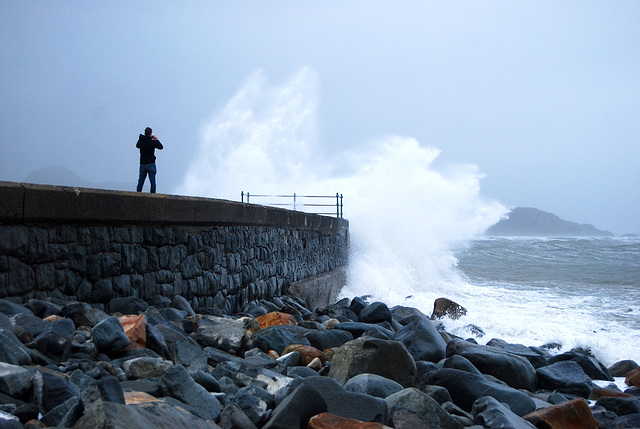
(329, 421)
(307, 353)
(598, 392)
(633, 378)
(53, 318)
(134, 397)
(276, 318)
(136, 329)
(273, 354)
(34, 424)
(574, 414)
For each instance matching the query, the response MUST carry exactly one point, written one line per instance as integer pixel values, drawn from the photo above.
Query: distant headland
(527, 221)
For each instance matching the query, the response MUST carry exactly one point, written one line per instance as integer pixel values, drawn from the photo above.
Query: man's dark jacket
(147, 146)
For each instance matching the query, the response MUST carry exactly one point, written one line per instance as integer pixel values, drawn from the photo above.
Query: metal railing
(296, 203)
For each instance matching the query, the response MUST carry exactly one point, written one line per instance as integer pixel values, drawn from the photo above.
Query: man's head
(148, 131)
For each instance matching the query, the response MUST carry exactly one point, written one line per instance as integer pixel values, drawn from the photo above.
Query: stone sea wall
(93, 245)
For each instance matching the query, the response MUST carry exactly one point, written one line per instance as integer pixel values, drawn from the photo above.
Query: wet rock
(622, 368)
(402, 418)
(14, 380)
(9, 421)
(358, 328)
(278, 337)
(444, 307)
(491, 413)
(157, 415)
(375, 312)
(461, 363)
(222, 333)
(372, 384)
(109, 335)
(514, 370)
(29, 324)
(422, 339)
(389, 359)
(621, 406)
(83, 314)
(357, 305)
(12, 350)
(9, 308)
(190, 356)
(465, 388)
(276, 318)
(55, 340)
(145, 367)
(536, 358)
(633, 378)
(65, 414)
(565, 377)
(574, 414)
(232, 417)
(128, 305)
(297, 408)
(424, 405)
(330, 421)
(52, 389)
(327, 339)
(590, 365)
(180, 385)
(182, 304)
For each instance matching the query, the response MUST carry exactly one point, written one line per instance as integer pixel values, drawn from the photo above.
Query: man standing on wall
(148, 143)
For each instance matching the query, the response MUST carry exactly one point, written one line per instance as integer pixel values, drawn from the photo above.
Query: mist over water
(407, 218)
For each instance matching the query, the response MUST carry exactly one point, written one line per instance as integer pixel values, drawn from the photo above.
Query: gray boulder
(181, 303)
(514, 370)
(618, 369)
(56, 339)
(128, 305)
(278, 337)
(565, 377)
(109, 336)
(422, 339)
(491, 413)
(375, 312)
(358, 328)
(536, 358)
(181, 386)
(222, 333)
(590, 365)
(145, 367)
(14, 380)
(389, 359)
(323, 340)
(372, 384)
(621, 406)
(157, 415)
(465, 388)
(12, 350)
(232, 417)
(297, 408)
(424, 405)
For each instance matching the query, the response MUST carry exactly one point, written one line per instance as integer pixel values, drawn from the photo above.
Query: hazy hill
(527, 221)
(57, 175)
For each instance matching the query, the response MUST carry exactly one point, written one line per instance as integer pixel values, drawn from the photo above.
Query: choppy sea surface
(574, 292)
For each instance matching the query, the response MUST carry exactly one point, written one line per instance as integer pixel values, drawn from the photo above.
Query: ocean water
(576, 292)
(412, 226)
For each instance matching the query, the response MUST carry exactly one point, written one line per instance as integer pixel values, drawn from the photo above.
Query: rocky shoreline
(279, 364)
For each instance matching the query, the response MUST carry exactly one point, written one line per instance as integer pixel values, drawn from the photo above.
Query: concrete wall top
(30, 203)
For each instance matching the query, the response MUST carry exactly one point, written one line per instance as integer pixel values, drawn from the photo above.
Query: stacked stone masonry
(224, 266)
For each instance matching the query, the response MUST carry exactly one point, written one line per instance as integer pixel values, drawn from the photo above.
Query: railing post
(247, 198)
(242, 197)
(340, 206)
(294, 201)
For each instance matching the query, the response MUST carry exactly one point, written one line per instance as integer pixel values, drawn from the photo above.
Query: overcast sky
(542, 96)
